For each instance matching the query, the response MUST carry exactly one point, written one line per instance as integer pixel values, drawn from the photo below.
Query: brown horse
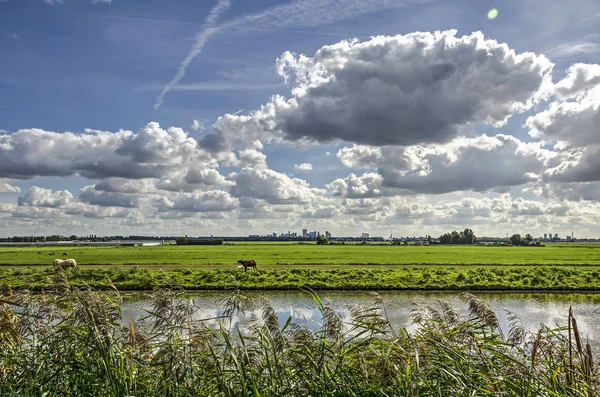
(247, 264)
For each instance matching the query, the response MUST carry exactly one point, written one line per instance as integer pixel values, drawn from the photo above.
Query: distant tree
(181, 240)
(469, 236)
(515, 239)
(446, 238)
(321, 240)
(73, 237)
(529, 237)
(429, 239)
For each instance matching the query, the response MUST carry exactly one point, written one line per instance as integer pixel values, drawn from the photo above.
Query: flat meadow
(269, 255)
(294, 265)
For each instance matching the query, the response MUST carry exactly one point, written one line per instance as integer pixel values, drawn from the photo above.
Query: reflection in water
(532, 308)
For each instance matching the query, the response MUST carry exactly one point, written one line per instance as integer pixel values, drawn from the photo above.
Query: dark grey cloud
(583, 166)
(196, 177)
(214, 142)
(574, 191)
(128, 186)
(401, 90)
(478, 164)
(90, 195)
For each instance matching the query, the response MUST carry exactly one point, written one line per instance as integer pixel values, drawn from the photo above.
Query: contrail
(238, 112)
(307, 13)
(571, 24)
(583, 20)
(177, 22)
(208, 29)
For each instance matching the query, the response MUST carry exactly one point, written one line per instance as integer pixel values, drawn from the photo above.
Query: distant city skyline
(304, 233)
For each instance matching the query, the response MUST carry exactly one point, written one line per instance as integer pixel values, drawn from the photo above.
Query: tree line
(516, 239)
(465, 237)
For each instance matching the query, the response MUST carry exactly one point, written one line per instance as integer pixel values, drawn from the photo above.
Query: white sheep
(240, 267)
(64, 263)
(58, 263)
(69, 263)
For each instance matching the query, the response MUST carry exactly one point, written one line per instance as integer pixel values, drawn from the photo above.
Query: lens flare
(493, 13)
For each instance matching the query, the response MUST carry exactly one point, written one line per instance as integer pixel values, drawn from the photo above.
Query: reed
(73, 341)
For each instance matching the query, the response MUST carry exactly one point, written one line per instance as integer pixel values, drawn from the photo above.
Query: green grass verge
(538, 278)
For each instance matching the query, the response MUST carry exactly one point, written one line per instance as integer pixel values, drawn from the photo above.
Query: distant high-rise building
(555, 235)
(327, 234)
(365, 235)
(550, 236)
(304, 232)
(545, 236)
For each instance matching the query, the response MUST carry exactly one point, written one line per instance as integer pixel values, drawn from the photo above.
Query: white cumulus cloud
(7, 187)
(41, 197)
(303, 167)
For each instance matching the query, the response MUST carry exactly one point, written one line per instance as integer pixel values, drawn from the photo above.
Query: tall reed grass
(73, 342)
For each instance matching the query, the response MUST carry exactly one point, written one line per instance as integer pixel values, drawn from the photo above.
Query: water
(532, 308)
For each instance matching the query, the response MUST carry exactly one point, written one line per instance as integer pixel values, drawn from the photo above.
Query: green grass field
(509, 278)
(307, 254)
(554, 267)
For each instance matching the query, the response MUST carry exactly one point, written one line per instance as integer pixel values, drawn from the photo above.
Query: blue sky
(79, 65)
(71, 65)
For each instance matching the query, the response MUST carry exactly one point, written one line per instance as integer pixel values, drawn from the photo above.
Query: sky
(225, 117)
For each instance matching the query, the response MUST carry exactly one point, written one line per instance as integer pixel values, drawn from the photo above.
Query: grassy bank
(74, 343)
(305, 254)
(540, 278)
